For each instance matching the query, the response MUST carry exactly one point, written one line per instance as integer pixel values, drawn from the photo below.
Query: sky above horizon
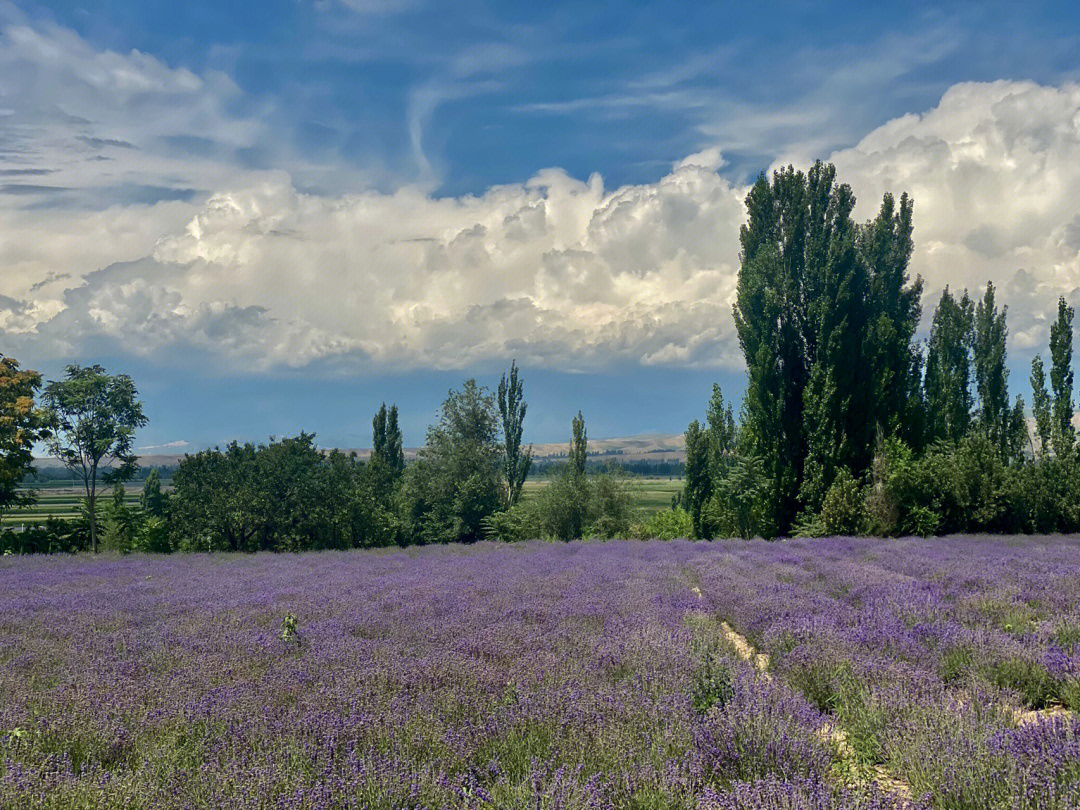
(275, 221)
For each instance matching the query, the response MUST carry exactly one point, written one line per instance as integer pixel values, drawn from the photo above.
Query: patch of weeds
(1036, 685)
(518, 749)
(713, 683)
(1069, 693)
(956, 663)
(861, 717)
(1016, 619)
(816, 680)
(1067, 635)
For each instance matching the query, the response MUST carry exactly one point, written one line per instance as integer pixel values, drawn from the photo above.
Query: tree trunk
(93, 521)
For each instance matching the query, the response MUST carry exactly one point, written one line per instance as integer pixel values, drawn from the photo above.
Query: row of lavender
(950, 664)
(547, 676)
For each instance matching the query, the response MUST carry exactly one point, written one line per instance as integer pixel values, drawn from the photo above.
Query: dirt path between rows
(830, 732)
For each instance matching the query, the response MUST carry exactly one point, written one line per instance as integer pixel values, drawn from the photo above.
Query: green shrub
(1037, 687)
(611, 506)
(667, 524)
(844, 510)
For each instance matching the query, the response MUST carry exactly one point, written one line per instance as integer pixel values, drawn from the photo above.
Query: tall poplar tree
(378, 433)
(1041, 407)
(801, 315)
(885, 245)
(1061, 380)
(579, 446)
(394, 451)
(991, 376)
(699, 482)
(947, 384)
(386, 444)
(839, 394)
(516, 461)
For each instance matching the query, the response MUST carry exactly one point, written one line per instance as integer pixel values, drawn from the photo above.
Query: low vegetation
(807, 674)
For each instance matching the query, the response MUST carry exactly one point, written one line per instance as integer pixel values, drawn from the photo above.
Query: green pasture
(649, 494)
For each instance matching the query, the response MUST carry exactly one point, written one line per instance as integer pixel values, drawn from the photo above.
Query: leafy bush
(563, 506)
(611, 506)
(667, 524)
(54, 536)
(843, 511)
(741, 505)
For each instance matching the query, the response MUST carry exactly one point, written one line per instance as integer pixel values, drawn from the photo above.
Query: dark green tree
(991, 375)
(801, 315)
(95, 416)
(579, 446)
(516, 461)
(839, 393)
(378, 433)
(1061, 380)
(1041, 407)
(153, 501)
(395, 448)
(947, 384)
(885, 246)
(721, 430)
(699, 481)
(455, 482)
(120, 524)
(386, 443)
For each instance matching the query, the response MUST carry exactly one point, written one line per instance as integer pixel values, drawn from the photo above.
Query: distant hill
(648, 446)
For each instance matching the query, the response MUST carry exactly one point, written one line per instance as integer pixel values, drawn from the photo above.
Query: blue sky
(275, 220)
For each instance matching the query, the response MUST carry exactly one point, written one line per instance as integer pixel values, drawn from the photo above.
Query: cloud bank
(134, 219)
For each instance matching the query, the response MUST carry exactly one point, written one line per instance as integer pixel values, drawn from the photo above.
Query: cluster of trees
(849, 424)
(288, 495)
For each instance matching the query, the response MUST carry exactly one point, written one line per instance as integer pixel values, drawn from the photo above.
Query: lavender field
(803, 674)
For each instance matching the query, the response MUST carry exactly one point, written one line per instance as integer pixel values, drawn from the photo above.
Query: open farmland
(647, 493)
(804, 674)
(62, 501)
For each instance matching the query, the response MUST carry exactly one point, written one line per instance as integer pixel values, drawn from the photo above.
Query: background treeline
(851, 425)
(288, 495)
(673, 468)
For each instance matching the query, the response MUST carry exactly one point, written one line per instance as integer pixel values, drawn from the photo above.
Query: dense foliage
(849, 424)
(22, 424)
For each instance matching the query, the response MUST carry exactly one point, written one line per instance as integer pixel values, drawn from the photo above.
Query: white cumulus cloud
(556, 271)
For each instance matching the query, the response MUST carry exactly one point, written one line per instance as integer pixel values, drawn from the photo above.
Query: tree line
(466, 483)
(849, 423)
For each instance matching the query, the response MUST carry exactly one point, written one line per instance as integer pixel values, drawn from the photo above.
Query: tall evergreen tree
(1041, 406)
(1061, 380)
(394, 447)
(516, 462)
(947, 384)
(991, 375)
(699, 482)
(378, 433)
(885, 245)
(579, 446)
